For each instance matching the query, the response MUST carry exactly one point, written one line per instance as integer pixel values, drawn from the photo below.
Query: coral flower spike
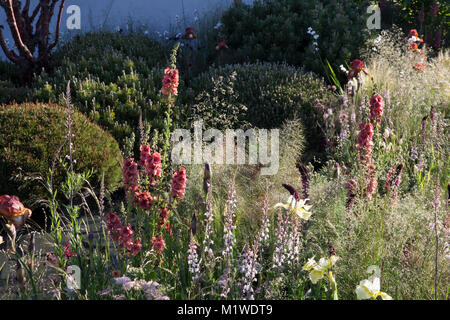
(13, 210)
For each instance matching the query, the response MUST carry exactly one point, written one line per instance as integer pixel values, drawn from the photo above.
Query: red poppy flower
(190, 34)
(357, 65)
(413, 33)
(221, 44)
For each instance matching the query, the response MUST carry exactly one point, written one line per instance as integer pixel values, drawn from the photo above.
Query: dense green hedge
(277, 31)
(262, 95)
(32, 134)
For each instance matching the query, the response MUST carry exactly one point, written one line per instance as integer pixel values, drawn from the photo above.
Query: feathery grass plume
(305, 180)
(424, 124)
(32, 250)
(12, 233)
(436, 205)
(229, 226)
(102, 194)
(142, 136)
(20, 275)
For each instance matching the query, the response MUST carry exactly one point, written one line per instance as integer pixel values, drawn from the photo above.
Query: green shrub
(113, 78)
(33, 137)
(262, 95)
(9, 92)
(277, 31)
(409, 14)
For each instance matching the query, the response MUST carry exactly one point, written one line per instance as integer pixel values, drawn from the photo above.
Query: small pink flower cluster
(122, 234)
(151, 161)
(170, 82)
(179, 184)
(376, 109)
(67, 251)
(364, 141)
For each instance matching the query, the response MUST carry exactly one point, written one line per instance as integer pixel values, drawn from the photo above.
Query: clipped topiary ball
(113, 77)
(33, 138)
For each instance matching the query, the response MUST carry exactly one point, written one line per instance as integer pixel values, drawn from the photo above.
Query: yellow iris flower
(300, 208)
(318, 269)
(370, 288)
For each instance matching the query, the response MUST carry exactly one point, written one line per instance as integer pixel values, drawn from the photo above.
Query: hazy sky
(156, 14)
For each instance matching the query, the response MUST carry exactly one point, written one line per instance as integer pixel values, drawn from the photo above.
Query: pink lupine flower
(376, 108)
(158, 244)
(179, 184)
(364, 141)
(170, 82)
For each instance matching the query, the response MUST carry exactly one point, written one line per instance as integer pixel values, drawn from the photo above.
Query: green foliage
(10, 92)
(277, 31)
(430, 18)
(114, 77)
(261, 95)
(32, 140)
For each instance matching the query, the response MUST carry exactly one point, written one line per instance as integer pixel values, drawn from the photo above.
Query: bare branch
(10, 54)
(23, 49)
(58, 25)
